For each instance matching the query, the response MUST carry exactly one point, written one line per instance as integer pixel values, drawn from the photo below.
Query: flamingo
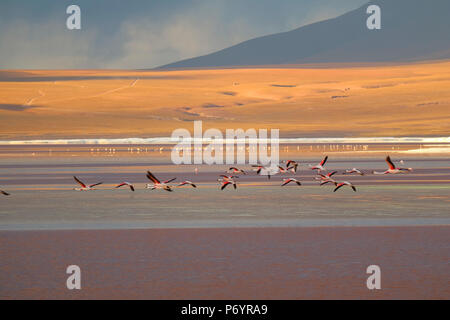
(236, 170)
(226, 180)
(158, 184)
(259, 168)
(4, 193)
(187, 182)
(126, 184)
(354, 170)
(292, 165)
(345, 183)
(85, 187)
(289, 162)
(392, 168)
(286, 181)
(326, 177)
(283, 170)
(319, 167)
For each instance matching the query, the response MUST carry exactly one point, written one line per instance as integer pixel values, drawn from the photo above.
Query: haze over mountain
(412, 30)
(136, 34)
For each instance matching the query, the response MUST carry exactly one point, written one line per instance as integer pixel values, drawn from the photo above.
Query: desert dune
(301, 101)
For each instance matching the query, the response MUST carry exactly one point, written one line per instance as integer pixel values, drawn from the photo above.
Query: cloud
(195, 32)
(28, 45)
(137, 43)
(186, 29)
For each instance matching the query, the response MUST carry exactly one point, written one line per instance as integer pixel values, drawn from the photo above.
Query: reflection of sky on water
(207, 206)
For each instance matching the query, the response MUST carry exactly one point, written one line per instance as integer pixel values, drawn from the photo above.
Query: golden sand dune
(403, 100)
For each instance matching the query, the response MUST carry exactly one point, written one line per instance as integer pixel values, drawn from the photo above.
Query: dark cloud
(143, 33)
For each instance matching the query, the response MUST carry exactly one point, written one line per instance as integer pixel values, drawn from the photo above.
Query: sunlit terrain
(325, 101)
(262, 240)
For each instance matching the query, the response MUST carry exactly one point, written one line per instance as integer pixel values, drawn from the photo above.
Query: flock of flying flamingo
(228, 180)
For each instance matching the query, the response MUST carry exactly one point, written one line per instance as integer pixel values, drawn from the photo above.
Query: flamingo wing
(170, 180)
(332, 173)
(79, 181)
(121, 185)
(390, 163)
(4, 193)
(225, 184)
(323, 161)
(286, 182)
(187, 182)
(95, 184)
(190, 183)
(151, 177)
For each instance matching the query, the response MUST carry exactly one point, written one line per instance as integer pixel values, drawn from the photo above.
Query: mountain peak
(411, 30)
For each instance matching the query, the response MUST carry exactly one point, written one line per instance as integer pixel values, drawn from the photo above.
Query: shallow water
(207, 206)
(43, 196)
(227, 263)
(197, 245)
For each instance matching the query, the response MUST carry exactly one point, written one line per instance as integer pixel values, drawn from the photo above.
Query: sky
(140, 34)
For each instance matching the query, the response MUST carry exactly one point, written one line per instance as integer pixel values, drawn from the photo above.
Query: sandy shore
(345, 101)
(254, 263)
